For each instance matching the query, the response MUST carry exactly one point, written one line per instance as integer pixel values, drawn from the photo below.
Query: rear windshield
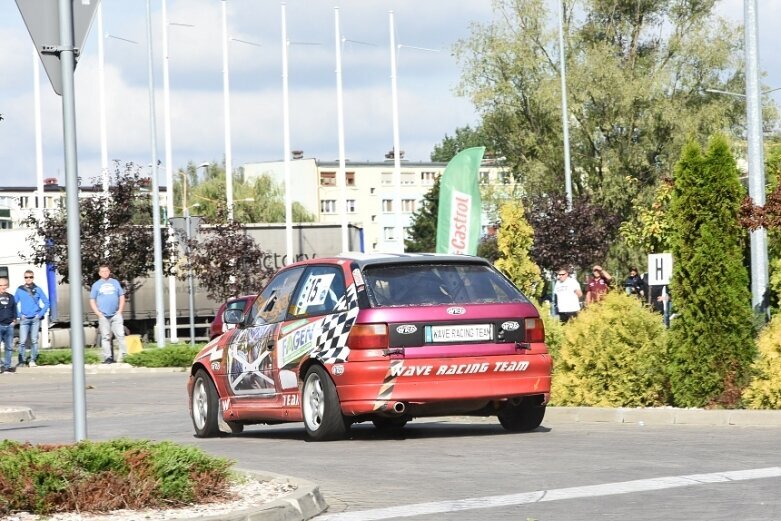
(433, 284)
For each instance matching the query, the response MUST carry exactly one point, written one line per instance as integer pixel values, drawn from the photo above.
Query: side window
(321, 289)
(271, 306)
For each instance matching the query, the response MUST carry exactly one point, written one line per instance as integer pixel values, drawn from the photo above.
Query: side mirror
(233, 316)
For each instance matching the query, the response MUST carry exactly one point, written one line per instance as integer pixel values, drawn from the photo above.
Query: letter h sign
(660, 269)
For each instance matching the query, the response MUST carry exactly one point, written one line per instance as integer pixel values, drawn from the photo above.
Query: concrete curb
(16, 415)
(664, 416)
(305, 502)
(116, 368)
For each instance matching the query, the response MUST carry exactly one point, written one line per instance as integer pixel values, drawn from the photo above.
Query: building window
(24, 202)
(428, 178)
(371, 190)
(485, 177)
(350, 205)
(407, 178)
(387, 205)
(387, 179)
(327, 178)
(350, 178)
(389, 233)
(374, 218)
(505, 178)
(328, 206)
(408, 205)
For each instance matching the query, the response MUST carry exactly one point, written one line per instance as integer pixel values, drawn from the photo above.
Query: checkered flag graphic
(331, 343)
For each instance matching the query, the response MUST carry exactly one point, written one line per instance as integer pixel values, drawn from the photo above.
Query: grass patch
(102, 476)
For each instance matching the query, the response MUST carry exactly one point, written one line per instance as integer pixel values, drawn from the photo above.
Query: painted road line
(606, 489)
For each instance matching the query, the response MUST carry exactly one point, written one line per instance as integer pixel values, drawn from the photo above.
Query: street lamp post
(190, 281)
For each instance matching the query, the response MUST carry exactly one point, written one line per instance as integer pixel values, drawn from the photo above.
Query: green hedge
(613, 354)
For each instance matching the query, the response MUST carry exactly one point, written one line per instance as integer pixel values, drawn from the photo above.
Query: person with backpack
(31, 307)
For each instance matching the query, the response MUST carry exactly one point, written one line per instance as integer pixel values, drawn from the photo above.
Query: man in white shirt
(568, 294)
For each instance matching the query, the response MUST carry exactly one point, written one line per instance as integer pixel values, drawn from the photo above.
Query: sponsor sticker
(406, 329)
(456, 310)
(510, 325)
(337, 370)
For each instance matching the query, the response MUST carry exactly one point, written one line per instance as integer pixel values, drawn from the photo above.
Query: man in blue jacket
(31, 307)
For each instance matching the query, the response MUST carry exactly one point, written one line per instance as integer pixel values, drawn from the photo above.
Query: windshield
(432, 284)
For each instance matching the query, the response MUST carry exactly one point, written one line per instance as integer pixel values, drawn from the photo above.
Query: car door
(320, 295)
(252, 372)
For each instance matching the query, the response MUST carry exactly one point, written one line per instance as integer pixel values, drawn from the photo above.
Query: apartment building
(373, 194)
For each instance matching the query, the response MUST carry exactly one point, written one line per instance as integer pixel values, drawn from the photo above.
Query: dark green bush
(170, 356)
(63, 356)
(92, 477)
(613, 355)
(712, 337)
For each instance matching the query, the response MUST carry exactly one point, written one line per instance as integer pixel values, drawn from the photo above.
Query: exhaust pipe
(399, 407)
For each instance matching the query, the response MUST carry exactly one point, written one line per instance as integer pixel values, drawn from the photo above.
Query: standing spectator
(599, 285)
(634, 284)
(7, 322)
(31, 307)
(107, 300)
(568, 295)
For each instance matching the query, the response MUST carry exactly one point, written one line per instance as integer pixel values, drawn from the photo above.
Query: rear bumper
(376, 386)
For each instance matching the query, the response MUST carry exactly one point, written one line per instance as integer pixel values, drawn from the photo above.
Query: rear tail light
(368, 336)
(535, 330)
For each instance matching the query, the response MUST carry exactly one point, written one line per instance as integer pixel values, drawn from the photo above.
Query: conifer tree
(515, 238)
(423, 230)
(711, 342)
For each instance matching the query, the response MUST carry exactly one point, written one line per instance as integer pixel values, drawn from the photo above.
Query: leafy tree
(636, 76)
(115, 230)
(514, 241)
(226, 260)
(651, 228)
(423, 230)
(577, 238)
(257, 200)
(711, 340)
(465, 137)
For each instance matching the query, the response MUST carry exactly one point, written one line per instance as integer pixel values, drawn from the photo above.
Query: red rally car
(376, 337)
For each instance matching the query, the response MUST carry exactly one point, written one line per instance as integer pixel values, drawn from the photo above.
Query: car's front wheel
(526, 415)
(323, 417)
(205, 406)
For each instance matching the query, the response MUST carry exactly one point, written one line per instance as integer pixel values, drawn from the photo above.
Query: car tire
(320, 407)
(524, 416)
(205, 406)
(389, 424)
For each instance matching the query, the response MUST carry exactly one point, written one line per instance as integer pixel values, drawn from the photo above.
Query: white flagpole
(396, 148)
(286, 144)
(342, 179)
(173, 333)
(102, 103)
(227, 111)
(40, 199)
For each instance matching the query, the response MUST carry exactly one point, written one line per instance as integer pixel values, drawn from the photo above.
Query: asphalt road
(562, 471)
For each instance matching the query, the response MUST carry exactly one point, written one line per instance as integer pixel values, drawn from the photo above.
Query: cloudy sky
(428, 107)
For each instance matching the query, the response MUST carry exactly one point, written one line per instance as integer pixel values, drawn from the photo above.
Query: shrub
(613, 355)
(764, 391)
(94, 477)
(64, 356)
(554, 330)
(171, 356)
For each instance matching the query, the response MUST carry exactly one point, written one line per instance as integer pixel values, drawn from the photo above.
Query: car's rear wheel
(205, 406)
(526, 415)
(389, 424)
(323, 417)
